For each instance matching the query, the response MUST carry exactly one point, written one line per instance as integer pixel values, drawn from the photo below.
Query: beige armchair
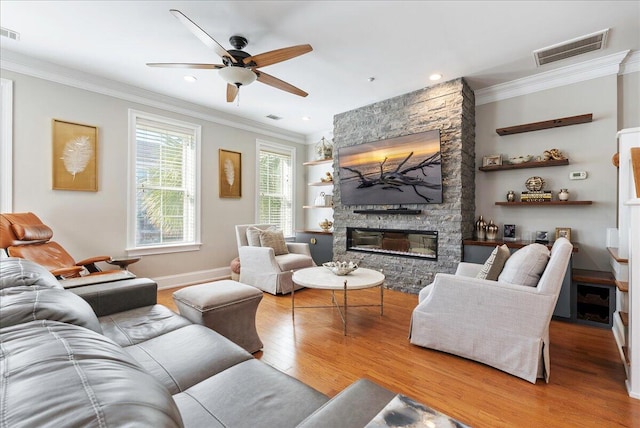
(263, 269)
(501, 324)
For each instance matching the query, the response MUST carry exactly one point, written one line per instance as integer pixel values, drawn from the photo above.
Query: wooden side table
(123, 262)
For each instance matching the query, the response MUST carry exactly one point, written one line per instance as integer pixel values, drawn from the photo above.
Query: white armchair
(263, 269)
(500, 324)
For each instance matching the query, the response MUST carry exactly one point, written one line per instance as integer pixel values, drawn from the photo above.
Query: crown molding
(18, 63)
(587, 70)
(631, 63)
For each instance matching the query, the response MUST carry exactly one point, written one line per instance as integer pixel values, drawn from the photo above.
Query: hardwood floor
(586, 388)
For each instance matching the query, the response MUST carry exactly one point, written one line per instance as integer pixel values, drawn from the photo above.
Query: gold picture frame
(75, 156)
(493, 160)
(230, 176)
(563, 232)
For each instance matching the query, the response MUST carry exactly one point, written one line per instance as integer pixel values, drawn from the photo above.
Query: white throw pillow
(494, 264)
(274, 239)
(526, 265)
(253, 236)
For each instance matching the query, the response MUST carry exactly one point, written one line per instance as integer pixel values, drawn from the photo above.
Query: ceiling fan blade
(185, 65)
(279, 55)
(232, 92)
(279, 84)
(202, 35)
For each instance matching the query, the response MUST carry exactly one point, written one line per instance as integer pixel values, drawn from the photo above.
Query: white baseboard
(190, 278)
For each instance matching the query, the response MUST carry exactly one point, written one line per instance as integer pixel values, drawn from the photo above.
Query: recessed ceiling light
(190, 79)
(306, 118)
(435, 76)
(371, 79)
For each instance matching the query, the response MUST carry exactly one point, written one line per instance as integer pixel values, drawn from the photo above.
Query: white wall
(629, 100)
(589, 148)
(88, 223)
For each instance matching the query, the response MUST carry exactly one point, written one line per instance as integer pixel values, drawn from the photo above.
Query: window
(164, 185)
(275, 186)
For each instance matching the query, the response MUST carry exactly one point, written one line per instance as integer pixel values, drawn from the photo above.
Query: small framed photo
(493, 160)
(509, 232)
(542, 237)
(563, 232)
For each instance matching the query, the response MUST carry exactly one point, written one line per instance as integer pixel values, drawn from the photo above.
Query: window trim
(132, 249)
(282, 149)
(6, 146)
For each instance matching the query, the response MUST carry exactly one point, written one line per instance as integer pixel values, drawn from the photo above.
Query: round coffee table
(323, 279)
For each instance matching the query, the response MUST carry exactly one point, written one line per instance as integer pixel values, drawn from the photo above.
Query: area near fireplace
(450, 108)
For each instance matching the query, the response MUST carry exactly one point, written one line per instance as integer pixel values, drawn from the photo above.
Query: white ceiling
(400, 43)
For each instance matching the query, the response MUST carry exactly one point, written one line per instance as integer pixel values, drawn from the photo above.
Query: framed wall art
(75, 156)
(563, 232)
(230, 166)
(494, 160)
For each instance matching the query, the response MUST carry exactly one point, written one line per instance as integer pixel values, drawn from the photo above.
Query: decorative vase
(511, 196)
(534, 184)
(481, 227)
(492, 231)
(563, 195)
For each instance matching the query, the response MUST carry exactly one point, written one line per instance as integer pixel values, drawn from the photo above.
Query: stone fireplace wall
(449, 107)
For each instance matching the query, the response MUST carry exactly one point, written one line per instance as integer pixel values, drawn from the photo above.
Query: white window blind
(165, 183)
(275, 181)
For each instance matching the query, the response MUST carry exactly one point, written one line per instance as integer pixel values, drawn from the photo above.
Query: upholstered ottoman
(227, 307)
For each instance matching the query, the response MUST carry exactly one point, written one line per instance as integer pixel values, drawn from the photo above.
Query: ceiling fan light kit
(239, 68)
(238, 76)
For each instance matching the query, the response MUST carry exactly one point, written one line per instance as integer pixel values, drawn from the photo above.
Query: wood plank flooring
(586, 388)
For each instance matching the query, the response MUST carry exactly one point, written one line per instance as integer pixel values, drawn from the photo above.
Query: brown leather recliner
(24, 235)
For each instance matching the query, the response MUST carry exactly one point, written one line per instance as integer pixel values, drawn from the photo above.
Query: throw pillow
(274, 239)
(253, 236)
(494, 264)
(526, 265)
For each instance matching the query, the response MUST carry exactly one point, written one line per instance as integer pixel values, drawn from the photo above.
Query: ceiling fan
(239, 68)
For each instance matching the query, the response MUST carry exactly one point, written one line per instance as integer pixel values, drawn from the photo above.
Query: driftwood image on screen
(402, 170)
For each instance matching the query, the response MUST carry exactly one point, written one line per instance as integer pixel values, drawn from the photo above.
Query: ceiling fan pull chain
(238, 98)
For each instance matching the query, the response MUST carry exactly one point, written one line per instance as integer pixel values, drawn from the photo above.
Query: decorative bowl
(520, 159)
(340, 268)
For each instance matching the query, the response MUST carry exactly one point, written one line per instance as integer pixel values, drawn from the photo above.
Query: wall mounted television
(395, 171)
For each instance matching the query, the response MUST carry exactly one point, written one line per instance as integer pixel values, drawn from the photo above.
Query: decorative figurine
(327, 177)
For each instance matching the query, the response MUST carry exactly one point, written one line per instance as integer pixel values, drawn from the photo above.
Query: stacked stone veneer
(449, 107)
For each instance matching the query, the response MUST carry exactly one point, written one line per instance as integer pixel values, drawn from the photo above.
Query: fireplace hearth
(419, 244)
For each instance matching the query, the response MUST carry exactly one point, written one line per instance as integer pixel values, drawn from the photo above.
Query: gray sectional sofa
(107, 355)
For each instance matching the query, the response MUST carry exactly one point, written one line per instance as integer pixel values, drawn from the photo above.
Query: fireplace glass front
(403, 243)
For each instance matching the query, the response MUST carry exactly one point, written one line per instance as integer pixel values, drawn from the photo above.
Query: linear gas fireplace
(404, 243)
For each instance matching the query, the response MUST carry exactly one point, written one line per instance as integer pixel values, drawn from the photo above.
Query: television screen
(401, 170)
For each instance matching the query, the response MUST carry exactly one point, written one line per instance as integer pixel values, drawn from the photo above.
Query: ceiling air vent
(10, 34)
(570, 48)
(273, 117)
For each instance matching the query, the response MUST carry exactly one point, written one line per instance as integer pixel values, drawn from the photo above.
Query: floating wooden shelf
(317, 162)
(624, 316)
(537, 126)
(623, 286)
(535, 164)
(549, 203)
(322, 183)
(614, 253)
